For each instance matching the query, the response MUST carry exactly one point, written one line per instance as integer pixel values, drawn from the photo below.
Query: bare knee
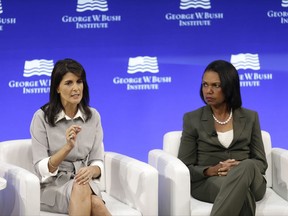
(81, 191)
(97, 203)
(98, 206)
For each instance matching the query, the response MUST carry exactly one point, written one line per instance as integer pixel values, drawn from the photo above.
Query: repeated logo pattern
(1, 9)
(92, 5)
(38, 67)
(284, 3)
(143, 64)
(186, 4)
(245, 61)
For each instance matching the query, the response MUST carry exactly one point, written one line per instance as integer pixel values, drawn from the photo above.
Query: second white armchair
(174, 181)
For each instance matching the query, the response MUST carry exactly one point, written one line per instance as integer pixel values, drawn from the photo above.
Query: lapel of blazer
(208, 124)
(239, 121)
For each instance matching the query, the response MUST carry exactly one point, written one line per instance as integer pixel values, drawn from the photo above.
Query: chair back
(17, 152)
(171, 143)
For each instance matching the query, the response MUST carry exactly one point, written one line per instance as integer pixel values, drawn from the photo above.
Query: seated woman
(222, 146)
(67, 145)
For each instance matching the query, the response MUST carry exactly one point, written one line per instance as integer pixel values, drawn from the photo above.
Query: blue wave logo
(143, 64)
(38, 67)
(284, 3)
(245, 61)
(1, 9)
(85, 5)
(186, 4)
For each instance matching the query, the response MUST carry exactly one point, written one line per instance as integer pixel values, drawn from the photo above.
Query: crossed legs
(234, 194)
(83, 202)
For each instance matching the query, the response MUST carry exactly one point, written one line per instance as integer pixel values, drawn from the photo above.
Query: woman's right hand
(71, 135)
(59, 156)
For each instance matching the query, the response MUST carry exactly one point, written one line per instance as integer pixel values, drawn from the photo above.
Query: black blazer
(200, 147)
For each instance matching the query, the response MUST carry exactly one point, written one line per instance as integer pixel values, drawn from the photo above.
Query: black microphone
(214, 134)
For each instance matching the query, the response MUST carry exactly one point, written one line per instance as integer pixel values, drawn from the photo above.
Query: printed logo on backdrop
(143, 64)
(4, 21)
(284, 3)
(186, 4)
(149, 80)
(192, 14)
(1, 9)
(249, 61)
(84, 5)
(282, 15)
(91, 14)
(28, 84)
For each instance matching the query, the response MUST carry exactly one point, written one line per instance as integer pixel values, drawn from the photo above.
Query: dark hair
(230, 82)
(54, 106)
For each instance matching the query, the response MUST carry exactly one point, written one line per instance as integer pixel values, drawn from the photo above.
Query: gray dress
(47, 140)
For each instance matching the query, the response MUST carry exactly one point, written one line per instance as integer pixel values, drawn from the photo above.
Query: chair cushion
(118, 208)
(271, 205)
(277, 206)
(199, 208)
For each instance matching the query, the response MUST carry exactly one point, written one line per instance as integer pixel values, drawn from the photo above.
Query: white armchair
(174, 181)
(129, 186)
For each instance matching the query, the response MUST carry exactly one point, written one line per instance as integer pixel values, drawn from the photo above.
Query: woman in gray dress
(67, 145)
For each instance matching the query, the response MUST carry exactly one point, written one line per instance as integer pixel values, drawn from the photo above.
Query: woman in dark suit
(222, 146)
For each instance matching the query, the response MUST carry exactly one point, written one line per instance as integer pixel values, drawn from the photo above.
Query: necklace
(224, 122)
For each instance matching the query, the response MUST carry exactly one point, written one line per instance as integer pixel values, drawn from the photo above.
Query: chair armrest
(280, 172)
(133, 182)
(22, 194)
(174, 183)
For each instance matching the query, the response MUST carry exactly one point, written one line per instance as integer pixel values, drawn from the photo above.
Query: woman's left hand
(226, 166)
(85, 174)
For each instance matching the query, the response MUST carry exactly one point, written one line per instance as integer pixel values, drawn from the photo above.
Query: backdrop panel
(144, 61)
